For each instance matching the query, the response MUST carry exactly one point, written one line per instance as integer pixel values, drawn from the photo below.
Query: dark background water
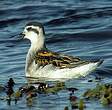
(76, 27)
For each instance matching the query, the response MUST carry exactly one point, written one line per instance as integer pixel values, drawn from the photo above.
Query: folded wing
(46, 57)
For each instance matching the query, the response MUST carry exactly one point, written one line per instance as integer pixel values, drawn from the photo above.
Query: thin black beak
(22, 35)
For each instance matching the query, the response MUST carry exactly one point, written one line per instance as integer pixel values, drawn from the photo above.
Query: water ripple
(75, 27)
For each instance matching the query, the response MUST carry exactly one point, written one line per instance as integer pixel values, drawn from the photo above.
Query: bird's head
(34, 31)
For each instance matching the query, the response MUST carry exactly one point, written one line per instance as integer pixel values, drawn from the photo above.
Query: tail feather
(99, 62)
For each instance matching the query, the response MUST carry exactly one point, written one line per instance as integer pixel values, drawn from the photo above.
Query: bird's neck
(37, 44)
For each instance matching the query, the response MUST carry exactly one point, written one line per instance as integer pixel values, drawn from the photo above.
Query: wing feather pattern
(46, 57)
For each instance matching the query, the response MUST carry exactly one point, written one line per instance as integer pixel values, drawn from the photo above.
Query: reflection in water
(44, 79)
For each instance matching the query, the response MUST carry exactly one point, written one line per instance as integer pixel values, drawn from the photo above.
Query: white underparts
(52, 72)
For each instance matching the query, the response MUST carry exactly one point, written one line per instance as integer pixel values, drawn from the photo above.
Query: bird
(41, 62)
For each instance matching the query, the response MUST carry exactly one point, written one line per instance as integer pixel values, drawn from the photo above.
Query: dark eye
(34, 30)
(29, 29)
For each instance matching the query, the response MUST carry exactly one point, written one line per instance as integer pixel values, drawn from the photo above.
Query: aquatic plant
(102, 92)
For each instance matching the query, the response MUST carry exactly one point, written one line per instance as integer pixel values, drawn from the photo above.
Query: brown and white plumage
(45, 57)
(41, 62)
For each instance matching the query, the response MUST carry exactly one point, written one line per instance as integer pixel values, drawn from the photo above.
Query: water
(75, 27)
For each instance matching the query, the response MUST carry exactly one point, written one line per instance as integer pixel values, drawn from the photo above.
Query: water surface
(76, 27)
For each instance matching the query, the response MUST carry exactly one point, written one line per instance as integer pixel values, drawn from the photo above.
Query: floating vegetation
(9, 90)
(102, 92)
(28, 91)
(54, 89)
(66, 108)
(76, 103)
(81, 105)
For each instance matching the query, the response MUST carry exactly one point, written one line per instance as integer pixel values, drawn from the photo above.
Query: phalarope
(41, 62)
